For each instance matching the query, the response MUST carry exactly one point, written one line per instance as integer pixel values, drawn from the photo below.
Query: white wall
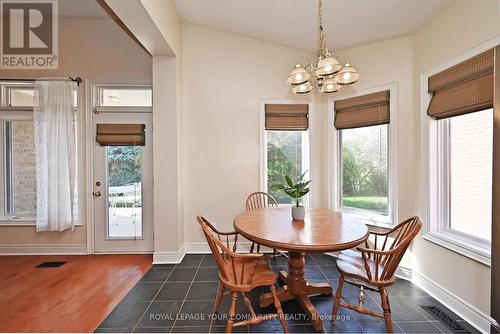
(462, 26)
(98, 51)
(225, 75)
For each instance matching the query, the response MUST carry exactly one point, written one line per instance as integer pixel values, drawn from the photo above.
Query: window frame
(432, 137)
(98, 108)
(335, 162)
(25, 113)
(307, 144)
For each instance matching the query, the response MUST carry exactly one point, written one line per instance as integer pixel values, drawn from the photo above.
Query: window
(125, 97)
(470, 173)
(364, 186)
(124, 183)
(286, 155)
(17, 152)
(20, 96)
(365, 169)
(460, 124)
(465, 177)
(19, 167)
(286, 146)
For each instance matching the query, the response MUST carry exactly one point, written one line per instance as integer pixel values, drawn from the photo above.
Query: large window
(286, 140)
(17, 152)
(287, 154)
(459, 119)
(364, 186)
(464, 174)
(365, 169)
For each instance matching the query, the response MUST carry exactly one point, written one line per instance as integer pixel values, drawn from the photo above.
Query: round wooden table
(322, 231)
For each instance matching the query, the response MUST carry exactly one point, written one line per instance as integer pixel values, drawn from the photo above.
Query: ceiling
(293, 23)
(81, 9)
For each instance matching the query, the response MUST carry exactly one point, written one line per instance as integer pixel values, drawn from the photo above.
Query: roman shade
(464, 88)
(364, 110)
(121, 134)
(287, 117)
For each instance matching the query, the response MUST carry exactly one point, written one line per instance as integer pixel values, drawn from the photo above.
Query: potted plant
(296, 190)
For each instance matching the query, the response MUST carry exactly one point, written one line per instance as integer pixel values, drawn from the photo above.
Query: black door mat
(445, 319)
(51, 264)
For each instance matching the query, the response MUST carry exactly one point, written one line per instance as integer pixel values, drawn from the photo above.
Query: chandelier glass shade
(329, 86)
(329, 75)
(347, 76)
(327, 65)
(302, 88)
(298, 76)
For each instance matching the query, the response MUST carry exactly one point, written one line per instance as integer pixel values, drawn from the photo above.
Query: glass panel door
(124, 195)
(123, 190)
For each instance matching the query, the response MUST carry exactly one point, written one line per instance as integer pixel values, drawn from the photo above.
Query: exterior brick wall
(23, 168)
(471, 159)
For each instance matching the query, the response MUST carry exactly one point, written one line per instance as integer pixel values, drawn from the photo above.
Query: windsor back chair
(240, 273)
(374, 267)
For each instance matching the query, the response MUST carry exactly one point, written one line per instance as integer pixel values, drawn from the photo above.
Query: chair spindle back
(260, 200)
(229, 263)
(387, 256)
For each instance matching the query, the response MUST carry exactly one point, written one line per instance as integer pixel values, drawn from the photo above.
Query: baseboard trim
(47, 249)
(169, 257)
(468, 312)
(404, 273)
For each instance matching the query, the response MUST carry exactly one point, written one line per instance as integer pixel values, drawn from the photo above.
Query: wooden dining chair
(374, 267)
(258, 200)
(240, 273)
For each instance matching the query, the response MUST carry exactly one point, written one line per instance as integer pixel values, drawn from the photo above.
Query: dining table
(321, 231)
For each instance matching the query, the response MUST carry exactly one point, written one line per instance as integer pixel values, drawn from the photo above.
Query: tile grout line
(187, 293)
(152, 299)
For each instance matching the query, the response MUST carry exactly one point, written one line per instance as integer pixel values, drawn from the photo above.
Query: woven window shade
(121, 134)
(287, 117)
(365, 110)
(464, 88)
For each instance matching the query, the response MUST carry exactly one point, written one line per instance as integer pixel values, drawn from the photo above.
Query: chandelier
(328, 75)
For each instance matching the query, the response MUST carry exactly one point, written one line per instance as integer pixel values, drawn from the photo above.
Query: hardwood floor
(75, 297)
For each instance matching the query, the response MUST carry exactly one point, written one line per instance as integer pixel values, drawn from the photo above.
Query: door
(123, 190)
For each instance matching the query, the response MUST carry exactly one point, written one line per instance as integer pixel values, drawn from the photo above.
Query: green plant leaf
(289, 181)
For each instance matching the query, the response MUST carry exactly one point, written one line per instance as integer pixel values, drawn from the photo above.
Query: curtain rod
(78, 80)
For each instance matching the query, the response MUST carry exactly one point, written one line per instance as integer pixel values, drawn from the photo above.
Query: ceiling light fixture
(328, 74)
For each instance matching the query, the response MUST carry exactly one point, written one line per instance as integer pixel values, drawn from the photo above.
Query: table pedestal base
(296, 287)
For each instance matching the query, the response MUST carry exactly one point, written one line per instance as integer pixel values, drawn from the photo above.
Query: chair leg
(218, 299)
(387, 309)
(338, 295)
(232, 313)
(258, 248)
(277, 304)
(251, 247)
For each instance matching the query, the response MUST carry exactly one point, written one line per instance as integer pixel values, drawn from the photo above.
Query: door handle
(97, 193)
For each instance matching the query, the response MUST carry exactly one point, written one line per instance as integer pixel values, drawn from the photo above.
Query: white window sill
(460, 246)
(369, 218)
(23, 222)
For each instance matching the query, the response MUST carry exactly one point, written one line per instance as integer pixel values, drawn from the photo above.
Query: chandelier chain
(322, 39)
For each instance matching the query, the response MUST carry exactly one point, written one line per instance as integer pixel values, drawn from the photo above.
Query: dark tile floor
(179, 298)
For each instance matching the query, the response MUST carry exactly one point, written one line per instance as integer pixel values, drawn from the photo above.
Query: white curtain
(55, 148)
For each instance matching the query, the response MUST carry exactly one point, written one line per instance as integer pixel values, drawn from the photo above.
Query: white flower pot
(298, 213)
